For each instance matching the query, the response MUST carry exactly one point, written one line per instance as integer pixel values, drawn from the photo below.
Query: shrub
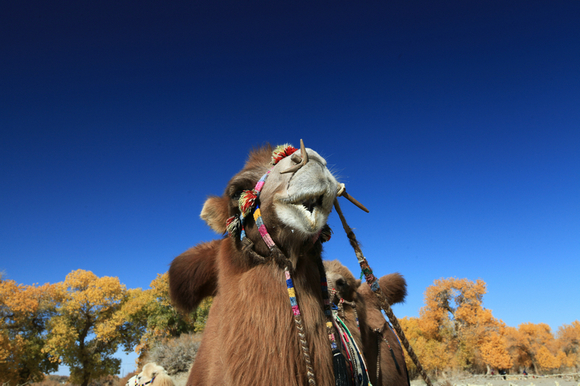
(105, 380)
(53, 380)
(175, 354)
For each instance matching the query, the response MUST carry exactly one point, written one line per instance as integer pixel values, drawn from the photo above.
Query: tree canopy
(86, 331)
(24, 312)
(455, 332)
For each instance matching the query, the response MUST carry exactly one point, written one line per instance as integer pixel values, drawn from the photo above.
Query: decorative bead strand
(289, 283)
(299, 327)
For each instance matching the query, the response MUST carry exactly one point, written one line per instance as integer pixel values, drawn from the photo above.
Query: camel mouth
(312, 203)
(306, 213)
(306, 202)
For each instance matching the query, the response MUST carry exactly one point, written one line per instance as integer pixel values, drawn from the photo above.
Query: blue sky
(456, 123)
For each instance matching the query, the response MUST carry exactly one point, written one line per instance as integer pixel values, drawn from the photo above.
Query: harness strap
(146, 383)
(357, 362)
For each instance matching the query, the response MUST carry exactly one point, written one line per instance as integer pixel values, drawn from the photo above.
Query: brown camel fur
(198, 262)
(374, 329)
(250, 337)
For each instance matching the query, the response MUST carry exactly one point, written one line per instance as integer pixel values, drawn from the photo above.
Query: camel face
(302, 200)
(341, 280)
(296, 198)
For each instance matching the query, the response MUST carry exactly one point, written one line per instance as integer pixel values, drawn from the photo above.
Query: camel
(199, 262)
(269, 322)
(151, 374)
(355, 300)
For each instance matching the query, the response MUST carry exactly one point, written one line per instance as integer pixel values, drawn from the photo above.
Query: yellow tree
(533, 345)
(155, 319)
(568, 338)
(433, 354)
(160, 319)
(24, 311)
(88, 329)
(454, 316)
(494, 350)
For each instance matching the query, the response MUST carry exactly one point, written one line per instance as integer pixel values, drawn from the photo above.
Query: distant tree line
(82, 321)
(454, 332)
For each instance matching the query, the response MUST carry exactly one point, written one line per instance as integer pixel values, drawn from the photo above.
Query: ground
(510, 380)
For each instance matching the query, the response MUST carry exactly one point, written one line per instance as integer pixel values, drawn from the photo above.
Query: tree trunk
(535, 368)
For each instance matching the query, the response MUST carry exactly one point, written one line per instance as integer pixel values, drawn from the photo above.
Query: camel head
(294, 200)
(154, 375)
(346, 286)
(341, 281)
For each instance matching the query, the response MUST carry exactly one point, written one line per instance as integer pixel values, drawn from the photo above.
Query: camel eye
(340, 282)
(236, 195)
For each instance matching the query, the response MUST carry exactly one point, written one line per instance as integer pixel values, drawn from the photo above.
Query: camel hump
(394, 287)
(193, 275)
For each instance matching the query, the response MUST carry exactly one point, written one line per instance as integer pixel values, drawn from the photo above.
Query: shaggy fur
(371, 319)
(151, 371)
(250, 337)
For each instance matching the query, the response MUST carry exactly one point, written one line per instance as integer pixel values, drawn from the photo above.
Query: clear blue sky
(457, 123)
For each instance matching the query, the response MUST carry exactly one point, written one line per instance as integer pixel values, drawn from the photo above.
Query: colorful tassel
(247, 201)
(233, 226)
(281, 152)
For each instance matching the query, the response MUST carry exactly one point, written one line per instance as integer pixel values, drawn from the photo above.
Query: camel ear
(394, 287)
(215, 213)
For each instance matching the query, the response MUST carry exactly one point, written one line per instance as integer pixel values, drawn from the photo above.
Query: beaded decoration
(249, 199)
(146, 383)
(368, 273)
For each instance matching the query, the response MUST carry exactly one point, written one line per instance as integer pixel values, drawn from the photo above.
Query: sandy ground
(480, 380)
(510, 380)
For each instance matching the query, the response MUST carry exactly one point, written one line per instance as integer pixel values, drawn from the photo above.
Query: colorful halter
(146, 383)
(249, 199)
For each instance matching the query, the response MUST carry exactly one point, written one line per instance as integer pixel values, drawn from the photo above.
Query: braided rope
(374, 284)
(299, 327)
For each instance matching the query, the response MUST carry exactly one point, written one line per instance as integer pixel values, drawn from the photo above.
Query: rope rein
(374, 284)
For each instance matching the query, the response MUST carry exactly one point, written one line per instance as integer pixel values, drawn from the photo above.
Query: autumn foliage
(24, 312)
(454, 332)
(82, 321)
